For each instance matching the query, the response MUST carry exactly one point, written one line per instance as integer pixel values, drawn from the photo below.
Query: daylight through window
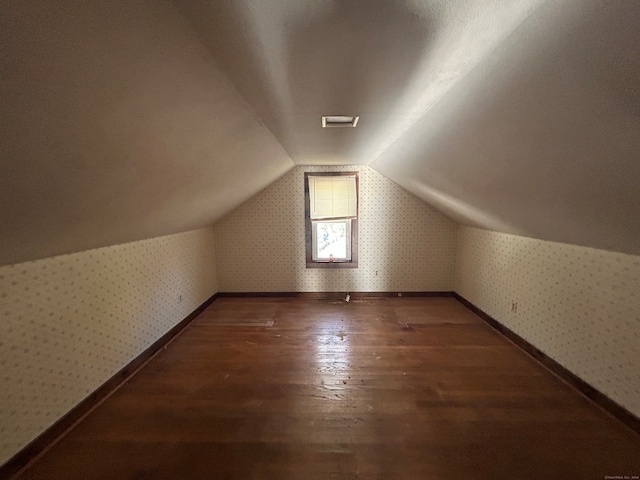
(331, 216)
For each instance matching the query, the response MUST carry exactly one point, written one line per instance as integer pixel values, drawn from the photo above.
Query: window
(331, 219)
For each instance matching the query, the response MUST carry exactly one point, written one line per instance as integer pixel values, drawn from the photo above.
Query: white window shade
(333, 197)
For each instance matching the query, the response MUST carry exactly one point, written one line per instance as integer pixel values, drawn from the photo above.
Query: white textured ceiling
(542, 138)
(124, 120)
(387, 61)
(116, 125)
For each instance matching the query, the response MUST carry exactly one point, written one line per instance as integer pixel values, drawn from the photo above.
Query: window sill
(332, 264)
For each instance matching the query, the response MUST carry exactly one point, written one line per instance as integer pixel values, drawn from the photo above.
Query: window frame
(353, 263)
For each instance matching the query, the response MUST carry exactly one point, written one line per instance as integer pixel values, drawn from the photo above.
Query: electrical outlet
(179, 298)
(376, 273)
(514, 307)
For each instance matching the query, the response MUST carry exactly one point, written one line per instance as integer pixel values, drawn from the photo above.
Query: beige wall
(579, 305)
(411, 246)
(70, 322)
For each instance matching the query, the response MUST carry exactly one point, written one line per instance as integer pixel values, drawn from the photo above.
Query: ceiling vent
(339, 121)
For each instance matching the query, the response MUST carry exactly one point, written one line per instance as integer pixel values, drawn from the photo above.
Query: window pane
(332, 240)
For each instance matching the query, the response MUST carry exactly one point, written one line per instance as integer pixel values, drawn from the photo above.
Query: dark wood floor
(395, 388)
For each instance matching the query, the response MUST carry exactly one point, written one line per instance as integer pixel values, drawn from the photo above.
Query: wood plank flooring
(390, 388)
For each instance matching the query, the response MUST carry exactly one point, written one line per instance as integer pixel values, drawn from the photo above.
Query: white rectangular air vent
(339, 121)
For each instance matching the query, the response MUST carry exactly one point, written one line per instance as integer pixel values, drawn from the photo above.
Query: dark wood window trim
(307, 225)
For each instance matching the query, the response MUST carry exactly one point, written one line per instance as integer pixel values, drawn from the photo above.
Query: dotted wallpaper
(404, 244)
(579, 305)
(70, 322)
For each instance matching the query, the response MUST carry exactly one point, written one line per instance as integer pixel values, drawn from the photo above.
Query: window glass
(332, 240)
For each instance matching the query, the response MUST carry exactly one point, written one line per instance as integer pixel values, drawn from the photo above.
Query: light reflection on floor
(333, 362)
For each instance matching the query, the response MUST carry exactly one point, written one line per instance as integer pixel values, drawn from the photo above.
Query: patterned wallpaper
(404, 244)
(579, 305)
(70, 322)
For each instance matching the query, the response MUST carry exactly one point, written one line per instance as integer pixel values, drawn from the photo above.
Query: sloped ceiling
(117, 125)
(125, 120)
(387, 61)
(542, 138)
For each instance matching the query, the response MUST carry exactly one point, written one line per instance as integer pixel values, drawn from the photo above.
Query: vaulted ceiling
(126, 120)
